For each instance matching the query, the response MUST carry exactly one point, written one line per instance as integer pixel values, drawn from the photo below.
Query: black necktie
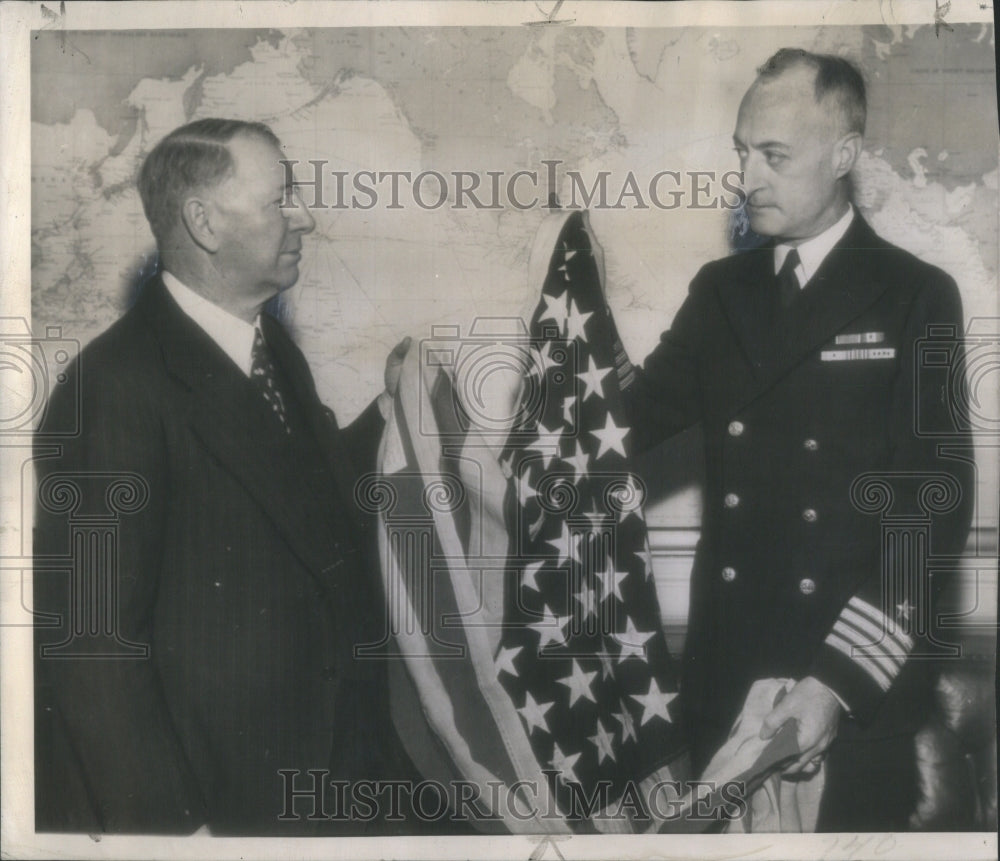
(788, 283)
(265, 378)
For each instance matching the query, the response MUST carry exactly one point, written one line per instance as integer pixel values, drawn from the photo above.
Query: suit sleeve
(362, 436)
(662, 397)
(110, 713)
(878, 628)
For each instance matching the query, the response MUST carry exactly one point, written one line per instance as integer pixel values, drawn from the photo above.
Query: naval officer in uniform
(798, 360)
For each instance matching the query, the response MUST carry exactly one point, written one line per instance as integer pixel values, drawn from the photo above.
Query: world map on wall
(479, 100)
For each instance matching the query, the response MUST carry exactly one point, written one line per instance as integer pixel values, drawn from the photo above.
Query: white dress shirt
(813, 251)
(233, 335)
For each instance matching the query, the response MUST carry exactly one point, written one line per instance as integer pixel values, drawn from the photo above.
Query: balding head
(836, 83)
(798, 135)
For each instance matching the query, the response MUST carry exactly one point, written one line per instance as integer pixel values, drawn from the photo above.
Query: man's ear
(846, 152)
(196, 213)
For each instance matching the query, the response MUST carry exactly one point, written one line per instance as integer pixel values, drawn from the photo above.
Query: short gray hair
(193, 156)
(834, 76)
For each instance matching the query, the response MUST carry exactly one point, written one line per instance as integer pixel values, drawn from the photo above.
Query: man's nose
(299, 217)
(752, 174)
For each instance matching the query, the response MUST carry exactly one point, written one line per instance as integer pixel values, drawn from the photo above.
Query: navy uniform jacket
(242, 571)
(787, 575)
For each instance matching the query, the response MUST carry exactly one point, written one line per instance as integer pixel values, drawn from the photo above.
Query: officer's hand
(394, 365)
(817, 711)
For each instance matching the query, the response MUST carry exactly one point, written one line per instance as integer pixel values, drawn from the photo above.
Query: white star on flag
(542, 360)
(534, 713)
(592, 379)
(575, 322)
(611, 580)
(624, 717)
(611, 437)
(605, 743)
(607, 667)
(524, 489)
(578, 683)
(568, 254)
(632, 642)
(596, 518)
(550, 628)
(903, 610)
(579, 461)
(647, 561)
(505, 660)
(568, 403)
(586, 598)
(536, 527)
(654, 703)
(547, 444)
(529, 579)
(555, 309)
(564, 763)
(567, 544)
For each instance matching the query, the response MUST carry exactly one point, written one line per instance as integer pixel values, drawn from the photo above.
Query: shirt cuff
(840, 699)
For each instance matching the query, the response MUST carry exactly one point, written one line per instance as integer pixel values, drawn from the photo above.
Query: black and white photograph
(503, 430)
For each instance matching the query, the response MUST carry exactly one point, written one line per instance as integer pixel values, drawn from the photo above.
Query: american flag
(582, 654)
(529, 660)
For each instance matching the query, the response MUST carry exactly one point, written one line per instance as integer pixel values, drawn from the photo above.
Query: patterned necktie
(265, 378)
(788, 282)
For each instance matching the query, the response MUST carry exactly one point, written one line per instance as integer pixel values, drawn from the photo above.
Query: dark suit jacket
(243, 571)
(784, 545)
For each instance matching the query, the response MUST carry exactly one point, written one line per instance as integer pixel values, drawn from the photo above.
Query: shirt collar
(814, 251)
(233, 335)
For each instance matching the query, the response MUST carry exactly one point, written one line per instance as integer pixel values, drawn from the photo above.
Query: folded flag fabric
(772, 803)
(516, 564)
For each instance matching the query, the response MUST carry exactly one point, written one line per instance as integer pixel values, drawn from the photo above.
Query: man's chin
(765, 221)
(290, 279)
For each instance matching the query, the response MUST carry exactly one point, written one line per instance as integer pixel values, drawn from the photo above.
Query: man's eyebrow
(763, 144)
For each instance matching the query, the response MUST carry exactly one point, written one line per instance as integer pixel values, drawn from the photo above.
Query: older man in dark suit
(238, 584)
(798, 358)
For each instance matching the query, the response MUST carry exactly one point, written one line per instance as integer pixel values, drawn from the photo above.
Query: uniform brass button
(729, 574)
(736, 428)
(731, 500)
(807, 586)
(810, 444)
(810, 515)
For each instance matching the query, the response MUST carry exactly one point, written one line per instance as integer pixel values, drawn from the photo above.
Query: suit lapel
(842, 289)
(321, 420)
(233, 421)
(748, 302)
